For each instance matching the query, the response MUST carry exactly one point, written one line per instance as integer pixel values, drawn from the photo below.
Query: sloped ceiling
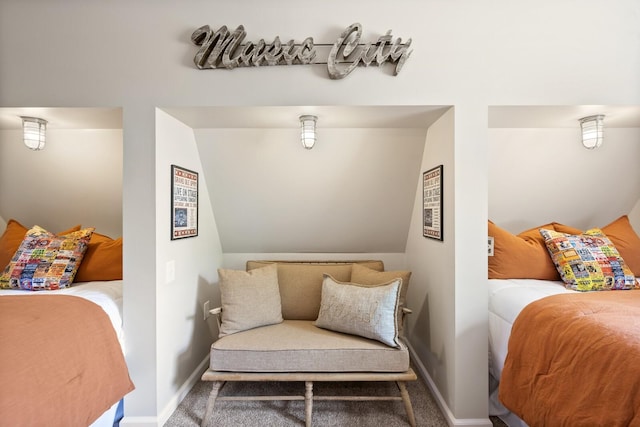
(352, 193)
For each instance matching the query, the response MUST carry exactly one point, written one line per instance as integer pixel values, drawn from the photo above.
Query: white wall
(238, 261)
(271, 195)
(634, 217)
(544, 175)
(469, 54)
(76, 179)
(183, 337)
(431, 327)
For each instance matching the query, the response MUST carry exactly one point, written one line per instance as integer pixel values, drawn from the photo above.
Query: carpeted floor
(325, 413)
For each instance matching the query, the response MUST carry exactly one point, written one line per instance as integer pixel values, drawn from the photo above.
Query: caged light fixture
(592, 131)
(34, 132)
(308, 131)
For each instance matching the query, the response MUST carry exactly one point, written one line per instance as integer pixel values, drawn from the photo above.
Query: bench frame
(219, 378)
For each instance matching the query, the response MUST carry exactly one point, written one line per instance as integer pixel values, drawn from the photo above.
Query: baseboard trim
(139, 422)
(442, 404)
(173, 403)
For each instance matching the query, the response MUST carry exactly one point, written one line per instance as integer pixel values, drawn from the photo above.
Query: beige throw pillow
(370, 312)
(249, 299)
(366, 276)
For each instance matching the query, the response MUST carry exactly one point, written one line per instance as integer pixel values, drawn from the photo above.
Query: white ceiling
(562, 116)
(64, 118)
(268, 117)
(399, 116)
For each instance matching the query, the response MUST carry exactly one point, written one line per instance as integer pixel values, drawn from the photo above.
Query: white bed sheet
(108, 295)
(507, 298)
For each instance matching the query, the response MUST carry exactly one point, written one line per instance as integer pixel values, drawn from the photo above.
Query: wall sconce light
(592, 131)
(308, 131)
(34, 132)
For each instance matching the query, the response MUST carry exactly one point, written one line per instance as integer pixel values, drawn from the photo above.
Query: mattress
(507, 297)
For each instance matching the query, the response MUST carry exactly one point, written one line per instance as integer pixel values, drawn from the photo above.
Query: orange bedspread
(574, 360)
(60, 361)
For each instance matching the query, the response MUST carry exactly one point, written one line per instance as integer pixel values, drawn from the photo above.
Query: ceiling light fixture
(592, 131)
(308, 131)
(34, 132)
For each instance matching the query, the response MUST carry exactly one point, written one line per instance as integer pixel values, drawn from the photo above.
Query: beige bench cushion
(301, 283)
(300, 346)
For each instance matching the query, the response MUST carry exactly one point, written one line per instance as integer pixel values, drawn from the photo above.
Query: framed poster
(184, 203)
(432, 203)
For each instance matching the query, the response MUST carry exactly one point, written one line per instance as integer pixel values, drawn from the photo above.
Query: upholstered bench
(310, 322)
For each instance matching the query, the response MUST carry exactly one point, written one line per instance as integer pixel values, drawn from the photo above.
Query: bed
(564, 357)
(79, 383)
(564, 344)
(61, 328)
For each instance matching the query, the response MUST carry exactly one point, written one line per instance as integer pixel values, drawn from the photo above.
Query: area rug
(291, 413)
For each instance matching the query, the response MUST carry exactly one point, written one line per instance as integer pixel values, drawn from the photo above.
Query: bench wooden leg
(217, 385)
(407, 402)
(308, 402)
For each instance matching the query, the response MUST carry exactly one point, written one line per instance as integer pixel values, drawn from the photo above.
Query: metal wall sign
(225, 49)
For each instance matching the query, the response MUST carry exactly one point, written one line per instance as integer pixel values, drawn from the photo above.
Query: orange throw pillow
(566, 229)
(13, 236)
(522, 256)
(102, 260)
(10, 241)
(626, 241)
(623, 237)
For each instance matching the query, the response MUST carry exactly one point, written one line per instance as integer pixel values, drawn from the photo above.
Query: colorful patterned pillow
(622, 235)
(13, 236)
(45, 261)
(588, 261)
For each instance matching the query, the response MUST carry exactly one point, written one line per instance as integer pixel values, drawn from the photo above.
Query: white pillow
(370, 312)
(249, 299)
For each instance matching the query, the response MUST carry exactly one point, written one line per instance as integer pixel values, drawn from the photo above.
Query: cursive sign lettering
(225, 49)
(346, 48)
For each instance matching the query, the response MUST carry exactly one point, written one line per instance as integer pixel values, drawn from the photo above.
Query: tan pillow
(367, 311)
(522, 256)
(623, 237)
(366, 276)
(301, 283)
(249, 299)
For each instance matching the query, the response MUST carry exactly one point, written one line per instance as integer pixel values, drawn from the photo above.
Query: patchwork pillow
(12, 237)
(45, 261)
(249, 299)
(622, 235)
(102, 260)
(588, 261)
(367, 311)
(366, 276)
(522, 256)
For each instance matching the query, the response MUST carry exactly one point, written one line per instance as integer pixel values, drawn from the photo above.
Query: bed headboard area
(37, 259)
(595, 259)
